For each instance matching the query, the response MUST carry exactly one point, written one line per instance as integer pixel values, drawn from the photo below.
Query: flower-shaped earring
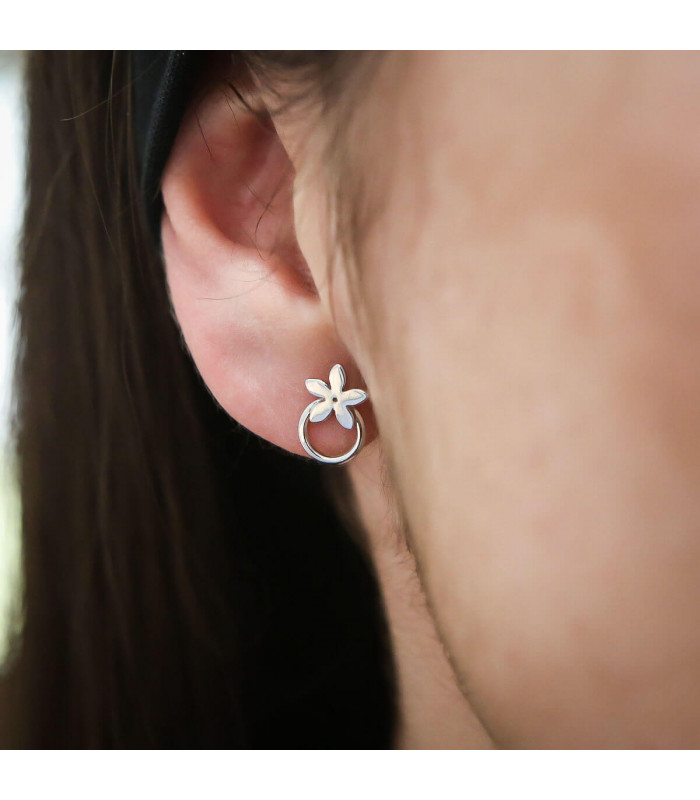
(333, 398)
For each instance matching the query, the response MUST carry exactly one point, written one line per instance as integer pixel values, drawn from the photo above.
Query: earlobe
(240, 287)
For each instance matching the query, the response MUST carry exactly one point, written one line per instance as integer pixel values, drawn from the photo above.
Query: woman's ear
(243, 294)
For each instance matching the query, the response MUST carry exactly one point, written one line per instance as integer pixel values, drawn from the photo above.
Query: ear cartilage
(333, 397)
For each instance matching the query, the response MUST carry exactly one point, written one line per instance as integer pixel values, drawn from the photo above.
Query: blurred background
(11, 184)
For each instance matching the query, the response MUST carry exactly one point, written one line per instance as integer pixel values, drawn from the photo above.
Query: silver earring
(333, 398)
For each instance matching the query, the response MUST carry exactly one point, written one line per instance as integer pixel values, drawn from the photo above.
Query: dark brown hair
(184, 584)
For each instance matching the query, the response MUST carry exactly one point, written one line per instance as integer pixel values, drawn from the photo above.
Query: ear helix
(333, 398)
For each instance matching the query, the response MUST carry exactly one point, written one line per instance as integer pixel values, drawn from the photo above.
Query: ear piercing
(333, 398)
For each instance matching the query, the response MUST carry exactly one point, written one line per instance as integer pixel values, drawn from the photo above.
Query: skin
(524, 312)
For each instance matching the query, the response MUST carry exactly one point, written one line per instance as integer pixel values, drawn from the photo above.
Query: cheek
(541, 398)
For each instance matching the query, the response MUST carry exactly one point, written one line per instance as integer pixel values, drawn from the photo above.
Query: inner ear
(238, 177)
(241, 289)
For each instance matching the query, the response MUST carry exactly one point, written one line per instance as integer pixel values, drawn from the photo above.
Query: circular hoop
(345, 457)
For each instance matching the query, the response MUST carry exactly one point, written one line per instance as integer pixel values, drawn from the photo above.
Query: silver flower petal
(319, 388)
(337, 379)
(344, 417)
(321, 410)
(352, 397)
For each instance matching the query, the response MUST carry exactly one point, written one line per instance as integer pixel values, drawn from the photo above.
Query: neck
(433, 712)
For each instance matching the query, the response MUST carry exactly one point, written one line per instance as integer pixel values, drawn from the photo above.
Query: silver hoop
(340, 400)
(345, 457)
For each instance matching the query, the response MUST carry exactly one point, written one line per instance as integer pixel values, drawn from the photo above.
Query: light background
(11, 186)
